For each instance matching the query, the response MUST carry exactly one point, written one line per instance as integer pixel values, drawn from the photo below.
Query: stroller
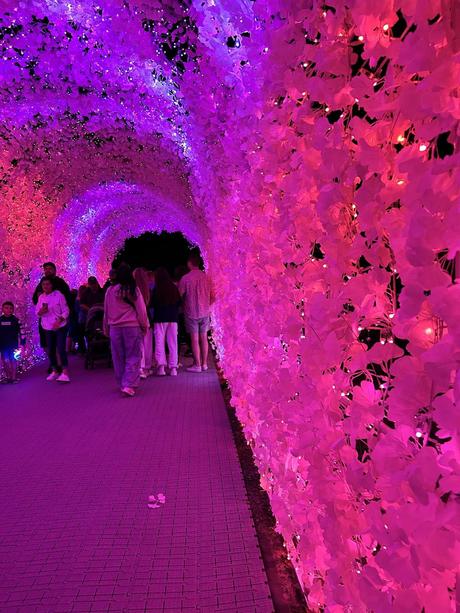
(98, 345)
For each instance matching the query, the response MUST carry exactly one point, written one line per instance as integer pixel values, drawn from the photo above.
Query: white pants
(147, 350)
(166, 333)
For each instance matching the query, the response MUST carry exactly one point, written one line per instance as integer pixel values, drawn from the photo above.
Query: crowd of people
(142, 312)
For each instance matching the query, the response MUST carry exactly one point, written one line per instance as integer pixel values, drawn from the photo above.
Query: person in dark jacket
(49, 272)
(166, 302)
(10, 338)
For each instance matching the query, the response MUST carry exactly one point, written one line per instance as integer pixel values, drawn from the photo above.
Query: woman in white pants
(166, 301)
(141, 276)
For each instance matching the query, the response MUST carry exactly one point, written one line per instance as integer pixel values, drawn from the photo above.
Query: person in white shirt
(53, 311)
(197, 294)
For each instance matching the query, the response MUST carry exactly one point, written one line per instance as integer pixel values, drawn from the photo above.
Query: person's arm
(141, 312)
(36, 294)
(39, 310)
(63, 308)
(66, 293)
(182, 287)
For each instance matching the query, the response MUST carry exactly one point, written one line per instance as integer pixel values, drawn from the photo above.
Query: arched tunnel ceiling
(95, 93)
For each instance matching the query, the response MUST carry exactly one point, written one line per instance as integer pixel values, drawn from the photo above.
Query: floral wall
(311, 149)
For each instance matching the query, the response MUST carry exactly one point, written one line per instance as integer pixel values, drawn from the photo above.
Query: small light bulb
(418, 434)
(400, 182)
(382, 342)
(391, 315)
(400, 138)
(327, 109)
(428, 330)
(422, 148)
(386, 27)
(361, 37)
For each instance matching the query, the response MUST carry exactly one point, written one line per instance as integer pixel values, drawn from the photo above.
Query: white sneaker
(194, 368)
(63, 378)
(128, 391)
(204, 368)
(161, 371)
(53, 376)
(173, 372)
(143, 374)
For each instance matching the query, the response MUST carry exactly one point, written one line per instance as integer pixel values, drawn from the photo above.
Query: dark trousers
(42, 335)
(56, 342)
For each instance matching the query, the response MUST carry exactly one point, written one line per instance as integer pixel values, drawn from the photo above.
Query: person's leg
(61, 342)
(171, 339)
(148, 350)
(143, 367)
(6, 361)
(133, 351)
(10, 366)
(118, 353)
(51, 344)
(194, 337)
(160, 355)
(204, 344)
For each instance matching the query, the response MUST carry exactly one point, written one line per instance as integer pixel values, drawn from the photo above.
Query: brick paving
(77, 466)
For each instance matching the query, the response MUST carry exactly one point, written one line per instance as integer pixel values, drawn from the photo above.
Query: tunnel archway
(313, 153)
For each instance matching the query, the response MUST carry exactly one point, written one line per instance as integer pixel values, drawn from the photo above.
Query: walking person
(141, 276)
(49, 272)
(125, 322)
(198, 295)
(53, 311)
(10, 338)
(166, 301)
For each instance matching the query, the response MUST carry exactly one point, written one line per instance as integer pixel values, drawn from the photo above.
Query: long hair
(126, 281)
(166, 291)
(142, 281)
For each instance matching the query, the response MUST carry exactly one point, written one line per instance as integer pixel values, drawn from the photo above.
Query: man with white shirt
(198, 295)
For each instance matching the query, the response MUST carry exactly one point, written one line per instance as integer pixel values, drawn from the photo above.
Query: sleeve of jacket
(63, 306)
(141, 310)
(36, 294)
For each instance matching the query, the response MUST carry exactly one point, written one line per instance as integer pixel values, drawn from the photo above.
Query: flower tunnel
(311, 150)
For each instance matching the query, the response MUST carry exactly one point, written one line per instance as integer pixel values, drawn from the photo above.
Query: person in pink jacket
(125, 322)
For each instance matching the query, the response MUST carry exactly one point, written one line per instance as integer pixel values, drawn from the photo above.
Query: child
(10, 336)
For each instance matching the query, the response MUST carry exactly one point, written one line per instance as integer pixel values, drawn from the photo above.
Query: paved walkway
(77, 466)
